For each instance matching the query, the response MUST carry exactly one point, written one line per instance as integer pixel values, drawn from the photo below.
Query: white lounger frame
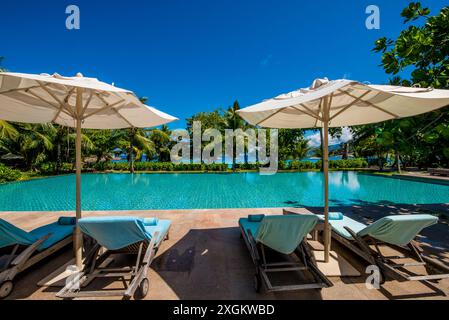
(17, 263)
(137, 274)
(264, 268)
(387, 264)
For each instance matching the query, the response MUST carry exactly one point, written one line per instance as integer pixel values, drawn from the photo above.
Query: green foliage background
(419, 56)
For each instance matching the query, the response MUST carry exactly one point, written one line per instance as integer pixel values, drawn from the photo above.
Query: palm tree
(208, 120)
(318, 152)
(32, 143)
(233, 121)
(162, 143)
(136, 142)
(7, 130)
(301, 150)
(2, 69)
(104, 141)
(345, 154)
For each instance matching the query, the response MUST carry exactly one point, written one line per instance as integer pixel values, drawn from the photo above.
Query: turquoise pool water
(192, 191)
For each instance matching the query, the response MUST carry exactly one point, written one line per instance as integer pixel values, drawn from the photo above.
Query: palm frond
(7, 130)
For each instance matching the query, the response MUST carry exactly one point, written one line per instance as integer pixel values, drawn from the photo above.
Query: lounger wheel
(143, 288)
(257, 282)
(6, 289)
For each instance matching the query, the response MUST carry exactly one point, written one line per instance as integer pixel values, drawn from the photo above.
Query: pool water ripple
(201, 191)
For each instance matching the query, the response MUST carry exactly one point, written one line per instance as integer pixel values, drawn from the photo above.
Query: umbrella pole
(327, 237)
(78, 239)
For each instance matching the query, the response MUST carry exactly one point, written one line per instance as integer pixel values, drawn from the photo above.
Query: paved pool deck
(423, 176)
(205, 258)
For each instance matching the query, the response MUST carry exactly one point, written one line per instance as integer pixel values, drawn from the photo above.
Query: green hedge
(7, 174)
(356, 163)
(348, 164)
(50, 168)
(159, 166)
(218, 167)
(301, 165)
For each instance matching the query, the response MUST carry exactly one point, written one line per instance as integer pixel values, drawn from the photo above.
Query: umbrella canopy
(52, 98)
(77, 102)
(341, 103)
(350, 103)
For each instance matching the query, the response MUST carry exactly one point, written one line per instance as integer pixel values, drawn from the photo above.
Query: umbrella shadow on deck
(214, 264)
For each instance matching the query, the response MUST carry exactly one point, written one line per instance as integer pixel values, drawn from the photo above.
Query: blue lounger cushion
(11, 235)
(246, 225)
(67, 221)
(400, 229)
(397, 229)
(58, 233)
(117, 232)
(162, 226)
(256, 217)
(338, 226)
(336, 216)
(281, 233)
(150, 221)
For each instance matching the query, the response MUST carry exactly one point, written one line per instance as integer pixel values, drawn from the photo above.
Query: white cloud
(315, 140)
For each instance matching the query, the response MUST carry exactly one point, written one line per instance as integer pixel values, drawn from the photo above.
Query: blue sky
(197, 55)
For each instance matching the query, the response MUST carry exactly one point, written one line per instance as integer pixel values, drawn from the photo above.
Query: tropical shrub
(49, 168)
(8, 174)
(248, 166)
(302, 165)
(348, 164)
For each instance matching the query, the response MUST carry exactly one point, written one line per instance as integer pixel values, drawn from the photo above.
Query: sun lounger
(118, 235)
(438, 171)
(398, 232)
(19, 249)
(285, 235)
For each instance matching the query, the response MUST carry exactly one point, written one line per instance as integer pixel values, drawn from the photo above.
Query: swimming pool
(208, 191)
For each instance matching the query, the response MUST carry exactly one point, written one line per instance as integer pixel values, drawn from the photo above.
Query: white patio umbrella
(341, 103)
(77, 102)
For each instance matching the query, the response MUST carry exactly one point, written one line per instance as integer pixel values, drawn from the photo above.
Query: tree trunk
(345, 151)
(398, 162)
(233, 158)
(380, 162)
(322, 139)
(58, 159)
(131, 159)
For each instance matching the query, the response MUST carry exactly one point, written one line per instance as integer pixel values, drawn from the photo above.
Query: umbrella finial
(319, 82)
